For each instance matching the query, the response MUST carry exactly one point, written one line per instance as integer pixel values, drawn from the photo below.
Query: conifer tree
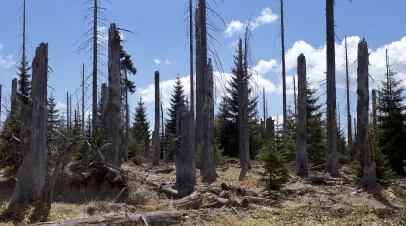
(140, 128)
(176, 97)
(316, 138)
(391, 122)
(227, 118)
(53, 117)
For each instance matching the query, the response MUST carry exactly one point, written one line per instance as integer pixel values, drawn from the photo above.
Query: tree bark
(363, 138)
(349, 123)
(104, 101)
(127, 122)
(302, 167)
(270, 129)
(31, 174)
(242, 84)
(294, 95)
(199, 86)
(146, 146)
(332, 155)
(208, 169)
(67, 113)
(162, 133)
(156, 138)
(374, 109)
(13, 100)
(95, 61)
(192, 96)
(86, 148)
(283, 67)
(113, 154)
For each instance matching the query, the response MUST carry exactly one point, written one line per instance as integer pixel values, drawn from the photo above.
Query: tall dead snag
(104, 100)
(13, 94)
(302, 166)
(208, 169)
(162, 133)
(270, 129)
(192, 141)
(374, 108)
(349, 129)
(294, 95)
(185, 158)
(243, 137)
(31, 174)
(199, 84)
(363, 139)
(157, 148)
(67, 113)
(283, 68)
(113, 154)
(146, 146)
(332, 155)
(86, 148)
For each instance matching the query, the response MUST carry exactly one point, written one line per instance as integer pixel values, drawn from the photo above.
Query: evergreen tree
(139, 129)
(175, 100)
(53, 118)
(316, 136)
(24, 80)
(343, 152)
(227, 118)
(391, 122)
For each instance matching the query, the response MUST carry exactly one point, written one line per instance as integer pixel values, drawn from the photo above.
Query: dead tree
(199, 83)
(104, 100)
(192, 141)
(86, 149)
(374, 108)
(13, 100)
(363, 139)
(283, 68)
(185, 157)
(349, 129)
(162, 133)
(146, 146)
(157, 148)
(294, 95)
(264, 112)
(113, 154)
(243, 136)
(302, 166)
(67, 112)
(208, 169)
(31, 174)
(270, 129)
(332, 155)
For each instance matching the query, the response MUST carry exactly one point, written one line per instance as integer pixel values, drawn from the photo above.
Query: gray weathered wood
(243, 137)
(31, 174)
(13, 99)
(104, 101)
(294, 95)
(270, 129)
(199, 85)
(349, 123)
(95, 70)
(332, 155)
(192, 84)
(146, 146)
(302, 167)
(158, 218)
(67, 112)
(208, 169)
(363, 138)
(283, 67)
(114, 128)
(374, 108)
(157, 148)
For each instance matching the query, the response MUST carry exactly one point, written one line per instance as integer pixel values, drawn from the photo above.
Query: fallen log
(220, 202)
(158, 218)
(165, 171)
(256, 200)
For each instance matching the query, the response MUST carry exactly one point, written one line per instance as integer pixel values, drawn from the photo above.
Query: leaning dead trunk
(363, 138)
(113, 154)
(332, 155)
(31, 174)
(208, 169)
(157, 148)
(302, 167)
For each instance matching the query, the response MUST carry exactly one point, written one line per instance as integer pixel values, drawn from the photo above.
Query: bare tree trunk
(294, 95)
(31, 174)
(332, 155)
(199, 85)
(162, 133)
(283, 68)
(243, 137)
(113, 154)
(1, 87)
(13, 94)
(104, 101)
(349, 129)
(270, 129)
(70, 112)
(127, 122)
(374, 109)
(67, 113)
(263, 108)
(192, 142)
(95, 39)
(208, 169)
(355, 127)
(86, 149)
(157, 147)
(363, 139)
(302, 166)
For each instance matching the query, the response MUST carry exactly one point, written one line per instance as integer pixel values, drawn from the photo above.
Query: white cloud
(1, 46)
(264, 66)
(236, 26)
(157, 61)
(167, 62)
(103, 35)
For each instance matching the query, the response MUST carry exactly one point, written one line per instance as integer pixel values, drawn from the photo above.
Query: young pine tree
(391, 122)
(316, 136)
(140, 129)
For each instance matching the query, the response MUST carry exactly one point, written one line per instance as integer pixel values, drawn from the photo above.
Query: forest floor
(317, 200)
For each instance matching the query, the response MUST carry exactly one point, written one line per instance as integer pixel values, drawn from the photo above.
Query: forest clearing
(201, 161)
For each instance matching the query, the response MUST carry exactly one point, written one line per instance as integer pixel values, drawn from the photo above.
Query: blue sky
(160, 35)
